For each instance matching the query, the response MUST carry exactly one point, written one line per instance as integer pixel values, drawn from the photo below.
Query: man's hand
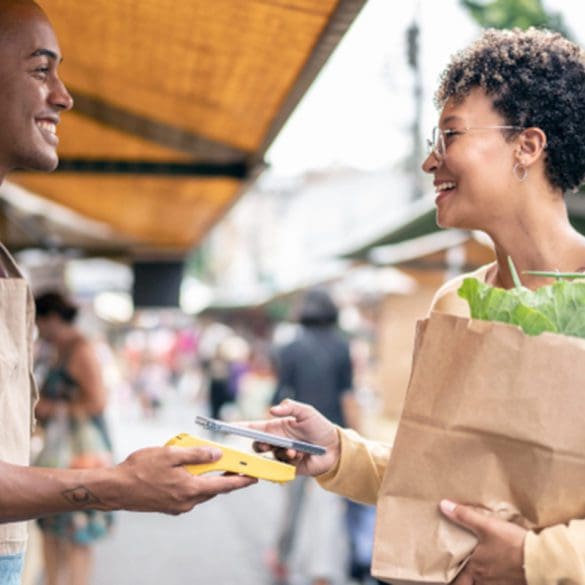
(155, 480)
(498, 558)
(296, 420)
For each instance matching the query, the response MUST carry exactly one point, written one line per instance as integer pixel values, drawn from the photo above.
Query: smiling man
(31, 93)
(32, 99)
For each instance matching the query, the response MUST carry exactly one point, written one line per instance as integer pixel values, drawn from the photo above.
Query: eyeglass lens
(436, 144)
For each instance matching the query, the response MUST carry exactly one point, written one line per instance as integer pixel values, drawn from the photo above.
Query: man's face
(32, 96)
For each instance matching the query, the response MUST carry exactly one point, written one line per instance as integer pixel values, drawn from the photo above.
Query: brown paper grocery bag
(493, 418)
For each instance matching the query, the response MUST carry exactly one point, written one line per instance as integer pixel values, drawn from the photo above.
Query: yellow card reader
(235, 461)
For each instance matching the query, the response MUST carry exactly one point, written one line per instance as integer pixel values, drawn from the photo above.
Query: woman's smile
(443, 189)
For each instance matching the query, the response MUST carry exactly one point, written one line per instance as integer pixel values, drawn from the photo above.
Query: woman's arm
(556, 555)
(359, 470)
(352, 467)
(83, 366)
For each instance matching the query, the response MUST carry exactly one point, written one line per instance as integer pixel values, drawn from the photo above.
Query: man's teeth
(48, 126)
(444, 187)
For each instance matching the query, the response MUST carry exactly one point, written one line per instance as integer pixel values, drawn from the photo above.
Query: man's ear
(531, 146)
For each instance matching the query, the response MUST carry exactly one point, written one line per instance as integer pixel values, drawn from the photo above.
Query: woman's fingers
(292, 408)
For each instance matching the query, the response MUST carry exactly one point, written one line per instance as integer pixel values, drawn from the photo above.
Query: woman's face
(473, 179)
(46, 326)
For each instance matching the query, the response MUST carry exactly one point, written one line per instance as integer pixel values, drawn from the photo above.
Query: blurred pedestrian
(151, 383)
(218, 372)
(315, 368)
(214, 363)
(71, 410)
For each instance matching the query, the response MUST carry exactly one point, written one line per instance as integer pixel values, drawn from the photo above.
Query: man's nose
(60, 97)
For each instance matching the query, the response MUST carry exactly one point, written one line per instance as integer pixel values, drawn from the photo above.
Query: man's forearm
(30, 492)
(153, 479)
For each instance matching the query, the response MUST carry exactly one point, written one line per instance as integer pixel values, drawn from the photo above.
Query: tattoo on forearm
(81, 496)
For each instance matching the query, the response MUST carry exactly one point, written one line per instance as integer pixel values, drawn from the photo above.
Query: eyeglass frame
(441, 152)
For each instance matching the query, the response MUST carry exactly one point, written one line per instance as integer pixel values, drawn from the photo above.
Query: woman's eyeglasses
(440, 139)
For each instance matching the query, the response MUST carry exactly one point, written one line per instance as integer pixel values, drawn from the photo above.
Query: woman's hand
(498, 558)
(304, 423)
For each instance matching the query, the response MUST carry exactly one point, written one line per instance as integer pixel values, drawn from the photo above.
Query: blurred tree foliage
(515, 13)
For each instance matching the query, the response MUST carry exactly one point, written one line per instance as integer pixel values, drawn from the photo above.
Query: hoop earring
(520, 171)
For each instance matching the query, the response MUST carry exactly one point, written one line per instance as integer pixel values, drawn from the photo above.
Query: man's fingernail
(215, 452)
(447, 506)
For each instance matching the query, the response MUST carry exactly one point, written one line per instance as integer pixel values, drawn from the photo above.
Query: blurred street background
(207, 181)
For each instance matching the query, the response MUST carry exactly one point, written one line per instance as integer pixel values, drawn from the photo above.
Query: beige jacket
(555, 555)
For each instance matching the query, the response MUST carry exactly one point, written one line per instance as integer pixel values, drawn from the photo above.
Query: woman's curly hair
(536, 79)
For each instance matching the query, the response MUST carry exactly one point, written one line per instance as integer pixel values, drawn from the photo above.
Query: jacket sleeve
(556, 555)
(360, 469)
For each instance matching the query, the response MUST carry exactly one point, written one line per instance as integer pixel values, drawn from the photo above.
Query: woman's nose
(430, 164)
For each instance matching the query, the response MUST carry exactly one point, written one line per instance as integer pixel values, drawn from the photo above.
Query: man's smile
(48, 129)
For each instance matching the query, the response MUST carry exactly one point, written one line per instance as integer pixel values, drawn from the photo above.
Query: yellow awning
(176, 102)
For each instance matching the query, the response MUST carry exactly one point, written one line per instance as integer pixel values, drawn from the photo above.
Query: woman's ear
(531, 146)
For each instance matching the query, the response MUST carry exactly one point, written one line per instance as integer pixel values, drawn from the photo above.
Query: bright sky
(358, 111)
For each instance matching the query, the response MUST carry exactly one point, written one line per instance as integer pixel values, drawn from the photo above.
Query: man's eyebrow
(46, 53)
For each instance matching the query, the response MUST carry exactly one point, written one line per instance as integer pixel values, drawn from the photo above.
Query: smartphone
(218, 426)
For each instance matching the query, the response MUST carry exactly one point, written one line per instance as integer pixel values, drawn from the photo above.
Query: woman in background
(73, 399)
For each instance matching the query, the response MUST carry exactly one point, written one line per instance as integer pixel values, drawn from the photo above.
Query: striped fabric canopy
(176, 102)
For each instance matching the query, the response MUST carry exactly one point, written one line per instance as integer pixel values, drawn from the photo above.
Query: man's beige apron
(17, 388)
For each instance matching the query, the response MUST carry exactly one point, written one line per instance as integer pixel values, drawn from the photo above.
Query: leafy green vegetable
(559, 307)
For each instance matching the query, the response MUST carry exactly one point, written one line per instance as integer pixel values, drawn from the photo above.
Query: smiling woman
(510, 142)
(471, 147)
(533, 80)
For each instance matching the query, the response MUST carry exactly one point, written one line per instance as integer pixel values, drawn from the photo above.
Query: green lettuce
(558, 307)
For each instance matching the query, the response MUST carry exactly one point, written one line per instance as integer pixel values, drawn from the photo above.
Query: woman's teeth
(444, 187)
